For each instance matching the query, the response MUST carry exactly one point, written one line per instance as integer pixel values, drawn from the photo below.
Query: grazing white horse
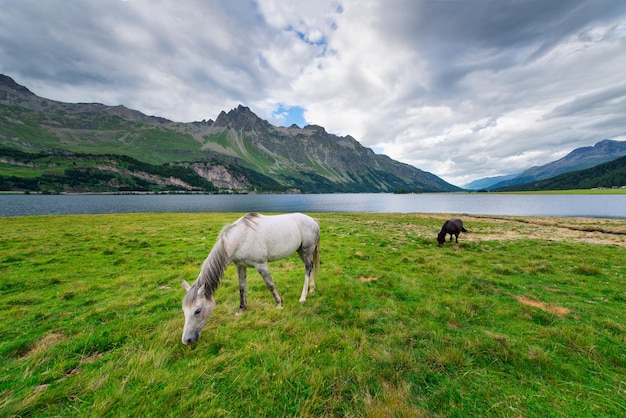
(251, 241)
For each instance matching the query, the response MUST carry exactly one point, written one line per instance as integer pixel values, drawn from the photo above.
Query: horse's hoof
(302, 300)
(279, 306)
(240, 311)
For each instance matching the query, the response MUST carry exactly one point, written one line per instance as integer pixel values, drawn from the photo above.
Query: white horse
(251, 241)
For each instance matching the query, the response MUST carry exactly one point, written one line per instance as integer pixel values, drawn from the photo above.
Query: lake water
(599, 206)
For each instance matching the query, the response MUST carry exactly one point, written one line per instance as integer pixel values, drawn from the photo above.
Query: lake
(596, 206)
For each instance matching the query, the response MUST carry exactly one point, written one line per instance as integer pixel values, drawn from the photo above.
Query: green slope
(68, 172)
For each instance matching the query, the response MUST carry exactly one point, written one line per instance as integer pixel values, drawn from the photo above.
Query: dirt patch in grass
(90, 359)
(367, 279)
(588, 230)
(555, 310)
(46, 342)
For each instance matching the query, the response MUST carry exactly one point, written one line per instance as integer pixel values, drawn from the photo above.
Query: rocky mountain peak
(241, 118)
(602, 151)
(609, 145)
(12, 92)
(316, 129)
(8, 82)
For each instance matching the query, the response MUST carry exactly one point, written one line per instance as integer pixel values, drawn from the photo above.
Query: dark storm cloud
(600, 102)
(463, 36)
(41, 40)
(129, 44)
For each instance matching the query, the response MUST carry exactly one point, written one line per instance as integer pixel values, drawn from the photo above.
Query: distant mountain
(579, 159)
(237, 145)
(607, 175)
(487, 182)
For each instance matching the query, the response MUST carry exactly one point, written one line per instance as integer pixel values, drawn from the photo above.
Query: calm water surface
(603, 206)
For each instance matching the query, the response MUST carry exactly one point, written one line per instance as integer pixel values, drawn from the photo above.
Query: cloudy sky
(464, 89)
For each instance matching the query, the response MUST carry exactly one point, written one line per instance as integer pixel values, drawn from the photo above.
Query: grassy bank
(524, 317)
(572, 191)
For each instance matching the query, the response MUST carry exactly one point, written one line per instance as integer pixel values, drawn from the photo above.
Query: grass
(506, 323)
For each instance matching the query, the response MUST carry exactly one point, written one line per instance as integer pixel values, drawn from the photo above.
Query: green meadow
(523, 317)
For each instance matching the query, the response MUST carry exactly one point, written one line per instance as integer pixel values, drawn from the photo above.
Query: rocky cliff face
(220, 176)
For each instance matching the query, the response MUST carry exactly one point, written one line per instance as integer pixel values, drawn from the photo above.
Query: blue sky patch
(291, 115)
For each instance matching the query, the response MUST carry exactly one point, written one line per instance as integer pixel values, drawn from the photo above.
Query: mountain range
(607, 175)
(239, 152)
(579, 159)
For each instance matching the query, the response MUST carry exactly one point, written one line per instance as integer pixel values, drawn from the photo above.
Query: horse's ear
(186, 285)
(200, 290)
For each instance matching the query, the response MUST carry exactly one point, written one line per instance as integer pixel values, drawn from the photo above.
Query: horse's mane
(212, 269)
(216, 262)
(442, 233)
(250, 219)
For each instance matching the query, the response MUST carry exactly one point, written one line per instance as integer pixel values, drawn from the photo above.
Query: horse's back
(272, 236)
(295, 226)
(455, 225)
(297, 229)
(287, 222)
(309, 228)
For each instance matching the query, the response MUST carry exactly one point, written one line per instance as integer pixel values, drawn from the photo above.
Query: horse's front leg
(241, 272)
(264, 271)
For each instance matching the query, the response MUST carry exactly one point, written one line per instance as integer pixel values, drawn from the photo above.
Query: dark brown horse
(452, 227)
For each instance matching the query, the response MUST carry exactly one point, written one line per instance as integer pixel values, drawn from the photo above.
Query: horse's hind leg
(309, 278)
(308, 258)
(264, 271)
(241, 272)
(310, 270)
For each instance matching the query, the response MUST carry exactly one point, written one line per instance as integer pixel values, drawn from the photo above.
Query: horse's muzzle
(191, 339)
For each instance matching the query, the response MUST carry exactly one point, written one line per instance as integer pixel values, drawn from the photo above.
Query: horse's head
(197, 309)
(441, 238)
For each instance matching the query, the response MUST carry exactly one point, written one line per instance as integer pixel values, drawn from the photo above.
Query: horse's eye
(197, 312)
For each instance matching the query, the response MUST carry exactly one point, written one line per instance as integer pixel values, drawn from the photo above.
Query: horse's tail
(316, 255)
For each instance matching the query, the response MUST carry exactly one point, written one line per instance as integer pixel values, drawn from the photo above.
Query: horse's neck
(213, 268)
